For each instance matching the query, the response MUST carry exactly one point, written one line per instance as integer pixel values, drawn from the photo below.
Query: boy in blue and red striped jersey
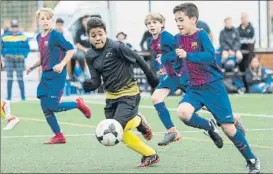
(55, 52)
(205, 86)
(161, 44)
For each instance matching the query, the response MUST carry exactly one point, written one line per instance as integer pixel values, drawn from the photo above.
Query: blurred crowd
(236, 56)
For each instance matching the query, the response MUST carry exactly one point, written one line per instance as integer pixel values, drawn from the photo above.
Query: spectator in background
(230, 45)
(204, 26)
(15, 49)
(258, 79)
(121, 36)
(66, 33)
(82, 45)
(247, 39)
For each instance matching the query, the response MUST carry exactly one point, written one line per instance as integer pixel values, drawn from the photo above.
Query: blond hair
(49, 12)
(155, 16)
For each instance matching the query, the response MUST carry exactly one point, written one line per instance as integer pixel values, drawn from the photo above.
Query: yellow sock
(133, 123)
(134, 142)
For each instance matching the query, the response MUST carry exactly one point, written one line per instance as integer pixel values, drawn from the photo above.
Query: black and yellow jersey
(114, 64)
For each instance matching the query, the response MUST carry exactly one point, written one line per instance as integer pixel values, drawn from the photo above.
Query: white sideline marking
(174, 109)
(92, 134)
(149, 106)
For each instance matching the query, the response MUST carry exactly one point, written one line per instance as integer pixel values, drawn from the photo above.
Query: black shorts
(122, 109)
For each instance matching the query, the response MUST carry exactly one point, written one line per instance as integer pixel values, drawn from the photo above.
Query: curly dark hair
(95, 22)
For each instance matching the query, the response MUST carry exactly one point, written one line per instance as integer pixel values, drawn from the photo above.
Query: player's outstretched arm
(207, 56)
(95, 81)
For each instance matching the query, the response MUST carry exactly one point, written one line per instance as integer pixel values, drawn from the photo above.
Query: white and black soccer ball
(109, 132)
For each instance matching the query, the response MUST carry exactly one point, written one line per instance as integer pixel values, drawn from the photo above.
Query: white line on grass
(174, 109)
(87, 100)
(91, 134)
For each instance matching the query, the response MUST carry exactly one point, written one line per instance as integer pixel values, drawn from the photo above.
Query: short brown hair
(155, 16)
(190, 10)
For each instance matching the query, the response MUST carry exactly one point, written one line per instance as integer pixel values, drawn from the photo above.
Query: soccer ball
(109, 132)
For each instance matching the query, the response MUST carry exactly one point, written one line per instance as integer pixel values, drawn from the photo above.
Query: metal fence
(23, 11)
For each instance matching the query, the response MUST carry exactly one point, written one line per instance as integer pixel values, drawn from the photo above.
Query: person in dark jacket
(257, 78)
(15, 49)
(82, 44)
(145, 37)
(112, 61)
(230, 45)
(247, 39)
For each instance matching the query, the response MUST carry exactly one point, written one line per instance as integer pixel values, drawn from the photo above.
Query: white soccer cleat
(11, 124)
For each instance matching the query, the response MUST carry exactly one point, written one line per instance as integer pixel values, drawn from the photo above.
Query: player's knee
(159, 95)
(184, 111)
(229, 129)
(50, 108)
(47, 113)
(156, 99)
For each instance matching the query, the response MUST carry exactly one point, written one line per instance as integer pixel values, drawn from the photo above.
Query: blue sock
(9, 86)
(22, 89)
(65, 106)
(164, 115)
(241, 143)
(53, 123)
(198, 122)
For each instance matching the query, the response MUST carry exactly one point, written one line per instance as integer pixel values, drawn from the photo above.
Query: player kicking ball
(6, 115)
(112, 61)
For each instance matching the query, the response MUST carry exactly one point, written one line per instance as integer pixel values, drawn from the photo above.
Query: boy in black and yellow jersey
(113, 61)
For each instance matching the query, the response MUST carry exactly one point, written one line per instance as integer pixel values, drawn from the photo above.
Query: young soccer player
(161, 43)
(55, 52)
(205, 85)
(6, 115)
(113, 61)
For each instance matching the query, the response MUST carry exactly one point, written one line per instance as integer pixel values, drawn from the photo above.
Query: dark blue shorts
(169, 82)
(51, 84)
(215, 97)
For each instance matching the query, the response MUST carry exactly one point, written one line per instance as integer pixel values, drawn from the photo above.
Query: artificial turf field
(22, 148)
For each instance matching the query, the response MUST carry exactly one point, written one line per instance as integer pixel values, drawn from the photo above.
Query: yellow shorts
(5, 110)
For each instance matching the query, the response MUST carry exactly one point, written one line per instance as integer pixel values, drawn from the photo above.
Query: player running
(161, 43)
(55, 53)
(205, 87)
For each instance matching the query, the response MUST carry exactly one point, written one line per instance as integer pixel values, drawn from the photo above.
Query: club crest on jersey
(46, 43)
(159, 46)
(194, 45)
